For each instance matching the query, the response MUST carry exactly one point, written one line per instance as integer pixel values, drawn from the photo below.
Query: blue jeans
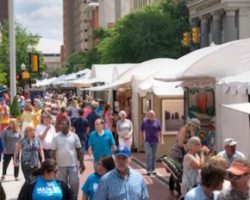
(150, 149)
(83, 144)
(70, 176)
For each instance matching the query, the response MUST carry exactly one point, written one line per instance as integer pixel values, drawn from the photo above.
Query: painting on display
(172, 115)
(201, 103)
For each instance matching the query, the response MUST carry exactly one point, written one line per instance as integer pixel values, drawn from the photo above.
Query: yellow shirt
(37, 117)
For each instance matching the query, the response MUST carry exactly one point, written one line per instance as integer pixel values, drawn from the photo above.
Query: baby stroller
(175, 169)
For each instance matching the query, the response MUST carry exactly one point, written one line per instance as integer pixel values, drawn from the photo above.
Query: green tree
(146, 34)
(23, 39)
(81, 60)
(14, 109)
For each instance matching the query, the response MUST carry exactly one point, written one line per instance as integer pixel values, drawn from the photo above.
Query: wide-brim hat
(195, 122)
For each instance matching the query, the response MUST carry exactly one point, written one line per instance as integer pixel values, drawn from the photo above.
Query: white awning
(224, 60)
(241, 107)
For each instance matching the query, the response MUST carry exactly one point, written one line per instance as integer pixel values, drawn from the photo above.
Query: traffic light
(185, 39)
(195, 35)
(34, 62)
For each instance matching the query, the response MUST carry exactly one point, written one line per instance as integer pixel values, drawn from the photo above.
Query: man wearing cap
(122, 183)
(239, 176)
(229, 153)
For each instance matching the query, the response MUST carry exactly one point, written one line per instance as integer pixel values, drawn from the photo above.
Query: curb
(140, 163)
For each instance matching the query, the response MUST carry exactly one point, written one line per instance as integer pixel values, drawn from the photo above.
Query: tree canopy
(151, 32)
(23, 39)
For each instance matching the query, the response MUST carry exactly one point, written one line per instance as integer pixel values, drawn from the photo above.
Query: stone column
(230, 25)
(216, 28)
(244, 28)
(204, 32)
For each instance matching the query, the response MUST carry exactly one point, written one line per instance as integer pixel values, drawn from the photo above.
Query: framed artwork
(146, 105)
(172, 115)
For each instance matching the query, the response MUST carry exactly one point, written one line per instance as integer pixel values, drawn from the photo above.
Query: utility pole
(12, 49)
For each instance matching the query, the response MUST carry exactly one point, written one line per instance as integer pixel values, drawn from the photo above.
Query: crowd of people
(54, 133)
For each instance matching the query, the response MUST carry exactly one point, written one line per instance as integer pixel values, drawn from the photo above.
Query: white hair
(122, 112)
(193, 140)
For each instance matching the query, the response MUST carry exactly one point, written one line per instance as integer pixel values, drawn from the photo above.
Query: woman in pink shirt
(108, 117)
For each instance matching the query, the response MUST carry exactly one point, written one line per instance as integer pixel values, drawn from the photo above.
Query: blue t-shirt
(101, 145)
(90, 186)
(45, 190)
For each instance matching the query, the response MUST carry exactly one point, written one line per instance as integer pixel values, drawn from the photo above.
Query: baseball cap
(123, 151)
(230, 142)
(2, 99)
(238, 168)
(195, 122)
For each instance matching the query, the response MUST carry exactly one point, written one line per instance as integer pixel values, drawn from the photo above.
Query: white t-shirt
(190, 175)
(46, 143)
(65, 147)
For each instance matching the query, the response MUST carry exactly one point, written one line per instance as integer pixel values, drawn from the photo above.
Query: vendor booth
(211, 64)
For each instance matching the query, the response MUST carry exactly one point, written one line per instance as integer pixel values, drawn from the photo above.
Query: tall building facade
(3, 10)
(113, 10)
(80, 20)
(220, 21)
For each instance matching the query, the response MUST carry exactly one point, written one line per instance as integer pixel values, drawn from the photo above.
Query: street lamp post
(12, 50)
(29, 51)
(23, 68)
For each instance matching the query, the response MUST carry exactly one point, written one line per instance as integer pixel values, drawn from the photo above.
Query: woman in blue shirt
(90, 186)
(45, 186)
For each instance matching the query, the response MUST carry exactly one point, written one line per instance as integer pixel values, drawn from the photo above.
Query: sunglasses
(54, 170)
(234, 177)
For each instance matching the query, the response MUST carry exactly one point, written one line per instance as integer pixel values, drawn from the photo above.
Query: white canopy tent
(233, 109)
(103, 74)
(145, 70)
(66, 80)
(159, 88)
(45, 82)
(224, 60)
(240, 107)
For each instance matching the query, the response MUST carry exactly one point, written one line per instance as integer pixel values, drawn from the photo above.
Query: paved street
(157, 189)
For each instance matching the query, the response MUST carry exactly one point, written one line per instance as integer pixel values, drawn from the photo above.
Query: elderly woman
(30, 147)
(177, 149)
(46, 186)
(192, 162)
(46, 132)
(124, 129)
(10, 137)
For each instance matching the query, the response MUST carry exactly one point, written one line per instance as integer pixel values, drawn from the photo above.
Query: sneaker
(148, 173)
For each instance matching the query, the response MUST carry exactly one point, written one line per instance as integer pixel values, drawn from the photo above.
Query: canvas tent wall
(163, 97)
(230, 123)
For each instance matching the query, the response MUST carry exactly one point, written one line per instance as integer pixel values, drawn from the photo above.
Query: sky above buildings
(42, 17)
